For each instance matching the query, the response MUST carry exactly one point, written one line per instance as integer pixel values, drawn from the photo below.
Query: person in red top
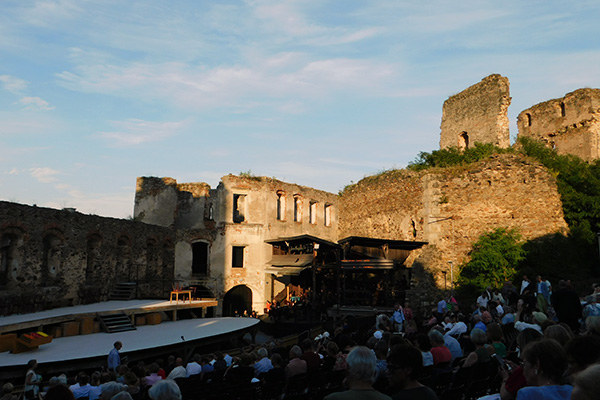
(441, 354)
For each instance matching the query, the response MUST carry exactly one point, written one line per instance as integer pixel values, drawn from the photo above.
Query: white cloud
(13, 84)
(35, 103)
(283, 75)
(133, 132)
(44, 174)
(13, 171)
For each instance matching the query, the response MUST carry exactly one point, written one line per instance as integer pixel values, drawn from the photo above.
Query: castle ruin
(478, 114)
(570, 125)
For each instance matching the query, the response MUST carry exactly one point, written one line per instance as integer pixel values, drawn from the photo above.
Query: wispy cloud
(13, 84)
(44, 174)
(35, 103)
(134, 132)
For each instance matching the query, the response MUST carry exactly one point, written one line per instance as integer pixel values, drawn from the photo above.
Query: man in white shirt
(178, 371)
(193, 367)
(82, 387)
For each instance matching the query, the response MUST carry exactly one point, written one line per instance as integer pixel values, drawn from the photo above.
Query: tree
(494, 259)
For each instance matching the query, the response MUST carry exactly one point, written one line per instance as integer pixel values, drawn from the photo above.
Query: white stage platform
(145, 337)
(24, 321)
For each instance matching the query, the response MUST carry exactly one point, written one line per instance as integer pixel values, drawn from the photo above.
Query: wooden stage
(70, 354)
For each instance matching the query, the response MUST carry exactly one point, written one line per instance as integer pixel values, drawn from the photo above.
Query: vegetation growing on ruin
(454, 156)
(495, 258)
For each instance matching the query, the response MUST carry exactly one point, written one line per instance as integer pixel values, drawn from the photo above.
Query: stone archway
(238, 298)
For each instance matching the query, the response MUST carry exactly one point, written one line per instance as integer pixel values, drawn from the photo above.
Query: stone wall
(571, 124)
(450, 208)
(59, 257)
(241, 212)
(477, 114)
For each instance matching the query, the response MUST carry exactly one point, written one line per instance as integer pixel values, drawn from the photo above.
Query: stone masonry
(450, 208)
(62, 257)
(571, 124)
(478, 114)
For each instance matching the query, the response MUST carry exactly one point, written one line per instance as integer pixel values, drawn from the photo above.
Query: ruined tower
(478, 114)
(571, 124)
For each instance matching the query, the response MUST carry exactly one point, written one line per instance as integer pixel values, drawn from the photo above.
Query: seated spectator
(165, 390)
(313, 360)
(95, 383)
(296, 365)
(133, 383)
(82, 387)
(582, 351)
(264, 364)
(423, 343)
(405, 363)
(207, 368)
(559, 333)
(440, 353)
(219, 364)
(110, 389)
(178, 371)
(193, 367)
(459, 327)
(481, 353)
(7, 390)
(275, 374)
(544, 363)
(496, 337)
(58, 392)
(586, 385)
(452, 344)
(241, 371)
(381, 350)
(330, 357)
(360, 376)
(153, 377)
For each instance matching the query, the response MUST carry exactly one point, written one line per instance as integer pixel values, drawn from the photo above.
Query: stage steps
(123, 291)
(113, 323)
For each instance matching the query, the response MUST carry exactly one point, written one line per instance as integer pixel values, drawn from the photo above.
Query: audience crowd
(517, 343)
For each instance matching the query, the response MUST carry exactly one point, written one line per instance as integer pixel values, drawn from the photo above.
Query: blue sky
(94, 93)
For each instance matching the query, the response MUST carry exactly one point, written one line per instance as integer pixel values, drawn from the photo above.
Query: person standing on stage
(114, 358)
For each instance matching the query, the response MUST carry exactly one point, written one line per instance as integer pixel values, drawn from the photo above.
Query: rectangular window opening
(239, 208)
(237, 257)
(312, 212)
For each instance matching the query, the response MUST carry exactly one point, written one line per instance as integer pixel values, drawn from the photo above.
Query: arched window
(10, 259)
(463, 141)
(52, 256)
(280, 205)
(123, 259)
(297, 208)
(94, 258)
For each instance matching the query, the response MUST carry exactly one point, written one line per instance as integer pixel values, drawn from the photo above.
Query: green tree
(495, 258)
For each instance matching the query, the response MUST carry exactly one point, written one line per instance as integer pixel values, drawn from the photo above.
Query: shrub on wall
(495, 258)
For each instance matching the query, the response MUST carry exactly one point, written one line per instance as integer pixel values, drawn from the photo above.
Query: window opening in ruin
(297, 208)
(528, 119)
(563, 111)
(328, 214)
(312, 212)
(463, 141)
(199, 258)
(237, 257)
(280, 205)
(166, 258)
(8, 257)
(123, 258)
(152, 256)
(414, 228)
(52, 255)
(239, 208)
(93, 258)
(210, 215)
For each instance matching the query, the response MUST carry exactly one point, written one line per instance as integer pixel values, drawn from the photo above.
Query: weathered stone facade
(450, 208)
(478, 114)
(61, 257)
(230, 224)
(571, 124)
